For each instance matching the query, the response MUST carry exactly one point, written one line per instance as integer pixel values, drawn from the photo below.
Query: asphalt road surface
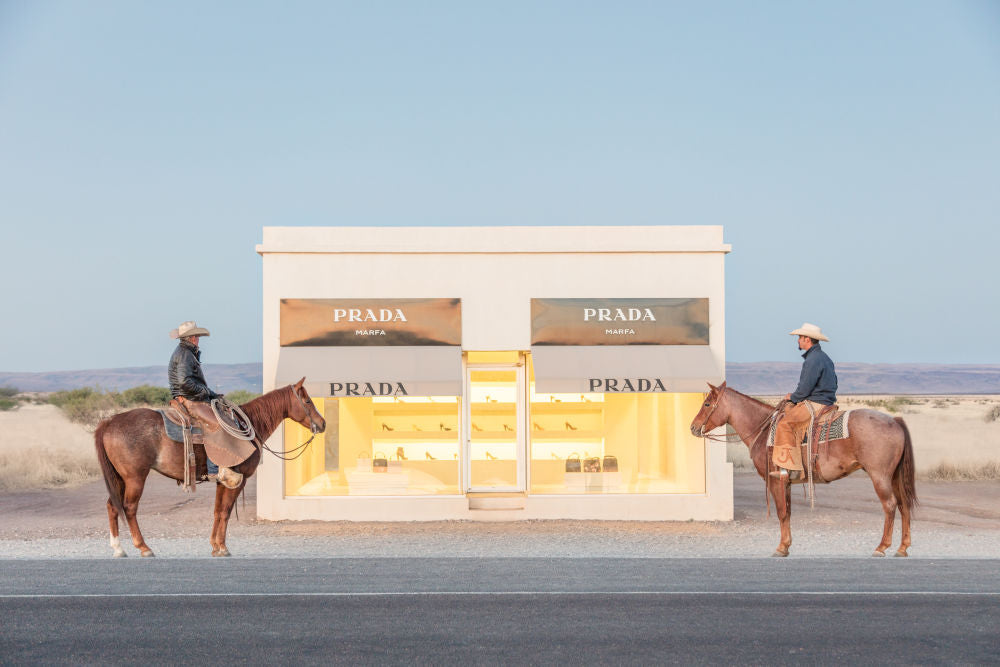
(490, 611)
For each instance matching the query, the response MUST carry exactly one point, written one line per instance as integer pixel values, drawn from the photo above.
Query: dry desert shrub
(35, 468)
(895, 404)
(947, 472)
(992, 414)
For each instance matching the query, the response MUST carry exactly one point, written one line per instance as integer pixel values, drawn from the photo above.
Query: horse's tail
(112, 480)
(903, 478)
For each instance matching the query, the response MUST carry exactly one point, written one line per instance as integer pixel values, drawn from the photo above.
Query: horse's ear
(298, 385)
(711, 386)
(721, 386)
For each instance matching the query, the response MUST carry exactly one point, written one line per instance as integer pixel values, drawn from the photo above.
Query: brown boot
(791, 475)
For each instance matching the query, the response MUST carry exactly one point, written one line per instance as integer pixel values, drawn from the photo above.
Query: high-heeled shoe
(386, 427)
(475, 428)
(507, 428)
(429, 457)
(400, 454)
(417, 428)
(444, 428)
(537, 427)
(490, 457)
(570, 427)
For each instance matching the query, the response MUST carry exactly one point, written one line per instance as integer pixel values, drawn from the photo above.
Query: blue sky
(851, 150)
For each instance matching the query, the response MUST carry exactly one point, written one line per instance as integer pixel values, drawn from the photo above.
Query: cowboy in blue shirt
(817, 389)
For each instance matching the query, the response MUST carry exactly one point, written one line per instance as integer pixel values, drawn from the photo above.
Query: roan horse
(879, 444)
(132, 443)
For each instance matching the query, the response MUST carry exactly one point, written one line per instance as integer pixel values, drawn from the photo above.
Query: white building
(496, 373)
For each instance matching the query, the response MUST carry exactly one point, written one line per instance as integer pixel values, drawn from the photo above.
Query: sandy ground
(955, 519)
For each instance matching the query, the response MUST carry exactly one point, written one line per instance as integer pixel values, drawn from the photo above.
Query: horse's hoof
(223, 553)
(878, 554)
(901, 554)
(148, 553)
(120, 554)
(779, 554)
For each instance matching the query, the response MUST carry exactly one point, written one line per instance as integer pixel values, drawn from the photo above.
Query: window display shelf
(416, 409)
(567, 435)
(492, 407)
(567, 408)
(404, 436)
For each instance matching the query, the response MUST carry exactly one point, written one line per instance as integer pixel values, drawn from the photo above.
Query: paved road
(500, 610)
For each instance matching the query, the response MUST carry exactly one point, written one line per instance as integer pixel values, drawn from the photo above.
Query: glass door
(494, 428)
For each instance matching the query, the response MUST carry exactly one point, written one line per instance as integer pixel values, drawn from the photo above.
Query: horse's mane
(268, 410)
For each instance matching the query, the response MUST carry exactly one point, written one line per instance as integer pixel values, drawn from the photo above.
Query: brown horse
(132, 443)
(879, 444)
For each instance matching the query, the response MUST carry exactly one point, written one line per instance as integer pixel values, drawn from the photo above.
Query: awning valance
(373, 371)
(624, 368)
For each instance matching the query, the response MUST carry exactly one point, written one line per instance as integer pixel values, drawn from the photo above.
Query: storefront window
(378, 446)
(615, 443)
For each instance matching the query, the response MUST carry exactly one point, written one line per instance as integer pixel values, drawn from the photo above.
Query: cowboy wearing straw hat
(818, 387)
(188, 381)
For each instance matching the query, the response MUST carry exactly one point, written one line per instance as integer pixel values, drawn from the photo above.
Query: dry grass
(992, 414)
(39, 468)
(946, 472)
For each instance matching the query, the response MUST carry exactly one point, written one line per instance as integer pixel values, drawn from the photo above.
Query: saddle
(194, 424)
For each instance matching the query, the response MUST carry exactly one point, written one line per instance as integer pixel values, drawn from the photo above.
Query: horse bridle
(300, 449)
(718, 400)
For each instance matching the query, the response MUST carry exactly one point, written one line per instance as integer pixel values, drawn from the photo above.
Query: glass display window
(378, 446)
(614, 443)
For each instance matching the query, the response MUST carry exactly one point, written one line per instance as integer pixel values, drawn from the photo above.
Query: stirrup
(791, 475)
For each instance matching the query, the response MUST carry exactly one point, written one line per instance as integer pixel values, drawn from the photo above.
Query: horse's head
(713, 413)
(303, 412)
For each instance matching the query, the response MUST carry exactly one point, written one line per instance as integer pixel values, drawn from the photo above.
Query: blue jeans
(212, 468)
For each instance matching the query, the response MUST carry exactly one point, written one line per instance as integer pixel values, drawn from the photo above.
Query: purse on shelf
(573, 463)
(610, 463)
(380, 463)
(364, 462)
(592, 464)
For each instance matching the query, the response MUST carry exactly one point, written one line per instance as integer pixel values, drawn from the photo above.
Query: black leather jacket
(185, 375)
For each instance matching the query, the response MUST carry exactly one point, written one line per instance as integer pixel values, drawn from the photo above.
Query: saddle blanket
(175, 432)
(838, 430)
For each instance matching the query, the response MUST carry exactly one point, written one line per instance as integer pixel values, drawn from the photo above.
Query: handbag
(364, 462)
(610, 463)
(380, 463)
(573, 463)
(592, 464)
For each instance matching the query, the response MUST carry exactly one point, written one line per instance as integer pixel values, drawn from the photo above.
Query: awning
(624, 368)
(373, 371)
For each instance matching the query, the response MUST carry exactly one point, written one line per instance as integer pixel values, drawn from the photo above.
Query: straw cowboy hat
(810, 330)
(188, 329)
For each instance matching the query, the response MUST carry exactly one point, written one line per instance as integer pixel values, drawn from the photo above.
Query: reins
(301, 449)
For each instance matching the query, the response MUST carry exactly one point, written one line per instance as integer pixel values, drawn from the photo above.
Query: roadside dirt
(955, 519)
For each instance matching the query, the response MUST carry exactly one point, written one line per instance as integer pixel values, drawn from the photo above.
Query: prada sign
(368, 389)
(619, 322)
(375, 322)
(626, 385)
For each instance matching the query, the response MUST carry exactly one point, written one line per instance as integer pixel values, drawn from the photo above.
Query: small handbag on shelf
(380, 463)
(610, 463)
(364, 462)
(573, 463)
(592, 464)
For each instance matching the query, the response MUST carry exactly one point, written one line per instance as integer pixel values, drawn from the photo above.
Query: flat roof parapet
(504, 240)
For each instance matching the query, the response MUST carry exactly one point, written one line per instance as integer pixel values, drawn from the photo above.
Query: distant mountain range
(760, 378)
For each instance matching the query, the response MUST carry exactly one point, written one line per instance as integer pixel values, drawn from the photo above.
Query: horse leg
(781, 491)
(883, 487)
(904, 513)
(224, 501)
(133, 491)
(113, 521)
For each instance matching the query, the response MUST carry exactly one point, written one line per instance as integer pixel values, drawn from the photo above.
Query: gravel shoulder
(954, 520)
